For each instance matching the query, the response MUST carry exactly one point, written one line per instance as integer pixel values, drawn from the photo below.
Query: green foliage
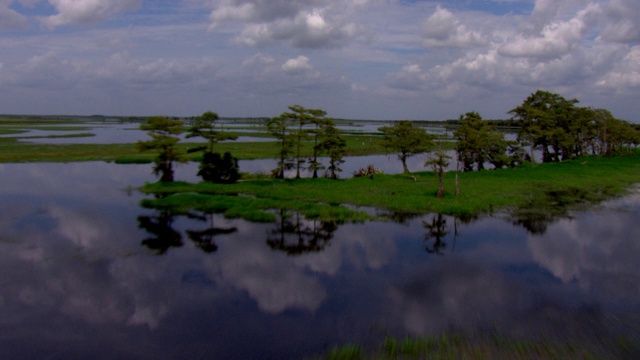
(293, 141)
(479, 142)
(486, 191)
(219, 169)
(407, 139)
(216, 198)
(334, 145)
(163, 132)
(278, 127)
(438, 161)
(560, 130)
(204, 127)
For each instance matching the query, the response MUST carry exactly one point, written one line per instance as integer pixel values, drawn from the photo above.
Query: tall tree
(214, 168)
(546, 120)
(406, 139)
(164, 138)
(320, 121)
(479, 142)
(438, 161)
(332, 144)
(279, 127)
(204, 126)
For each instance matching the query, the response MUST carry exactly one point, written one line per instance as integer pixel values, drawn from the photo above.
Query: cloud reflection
(599, 251)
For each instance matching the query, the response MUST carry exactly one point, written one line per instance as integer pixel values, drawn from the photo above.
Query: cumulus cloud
(297, 65)
(555, 38)
(626, 73)
(443, 29)
(87, 11)
(302, 24)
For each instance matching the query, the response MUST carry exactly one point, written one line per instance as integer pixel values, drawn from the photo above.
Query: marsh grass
(449, 345)
(544, 187)
(12, 150)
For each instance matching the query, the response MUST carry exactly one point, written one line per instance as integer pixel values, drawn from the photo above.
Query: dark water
(87, 273)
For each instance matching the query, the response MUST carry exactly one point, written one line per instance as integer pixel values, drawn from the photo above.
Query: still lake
(88, 273)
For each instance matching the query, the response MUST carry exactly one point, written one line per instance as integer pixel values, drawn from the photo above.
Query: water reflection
(73, 272)
(436, 231)
(295, 235)
(599, 252)
(205, 239)
(164, 236)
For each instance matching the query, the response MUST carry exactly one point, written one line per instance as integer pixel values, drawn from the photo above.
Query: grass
(465, 346)
(544, 188)
(13, 151)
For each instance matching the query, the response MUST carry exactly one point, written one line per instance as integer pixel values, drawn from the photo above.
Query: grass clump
(250, 208)
(544, 188)
(531, 190)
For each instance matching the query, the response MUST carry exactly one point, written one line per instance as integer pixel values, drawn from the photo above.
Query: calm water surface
(85, 272)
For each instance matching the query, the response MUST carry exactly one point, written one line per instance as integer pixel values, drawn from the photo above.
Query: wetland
(100, 260)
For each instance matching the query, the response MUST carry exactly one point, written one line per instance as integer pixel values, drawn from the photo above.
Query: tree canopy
(164, 138)
(406, 139)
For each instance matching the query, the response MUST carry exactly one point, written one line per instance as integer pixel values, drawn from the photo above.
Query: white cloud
(443, 29)
(555, 39)
(626, 74)
(87, 11)
(382, 59)
(297, 65)
(303, 24)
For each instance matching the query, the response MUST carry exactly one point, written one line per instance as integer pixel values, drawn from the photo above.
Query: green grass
(543, 188)
(464, 346)
(13, 151)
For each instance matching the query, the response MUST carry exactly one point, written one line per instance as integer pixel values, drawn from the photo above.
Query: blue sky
(360, 59)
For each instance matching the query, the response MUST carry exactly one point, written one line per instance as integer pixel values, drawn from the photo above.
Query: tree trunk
(440, 184)
(405, 169)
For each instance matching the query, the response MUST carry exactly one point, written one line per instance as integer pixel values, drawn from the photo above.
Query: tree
(163, 132)
(407, 139)
(333, 145)
(319, 119)
(204, 127)
(547, 123)
(279, 127)
(480, 142)
(438, 161)
(219, 169)
(299, 117)
(214, 168)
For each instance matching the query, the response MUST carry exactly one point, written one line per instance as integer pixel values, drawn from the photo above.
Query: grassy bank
(543, 188)
(14, 151)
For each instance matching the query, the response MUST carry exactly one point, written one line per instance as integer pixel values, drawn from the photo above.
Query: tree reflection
(164, 235)
(547, 207)
(436, 231)
(295, 235)
(205, 239)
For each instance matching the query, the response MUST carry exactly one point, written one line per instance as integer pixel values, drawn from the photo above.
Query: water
(87, 273)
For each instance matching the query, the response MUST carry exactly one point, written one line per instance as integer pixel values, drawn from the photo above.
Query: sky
(355, 59)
